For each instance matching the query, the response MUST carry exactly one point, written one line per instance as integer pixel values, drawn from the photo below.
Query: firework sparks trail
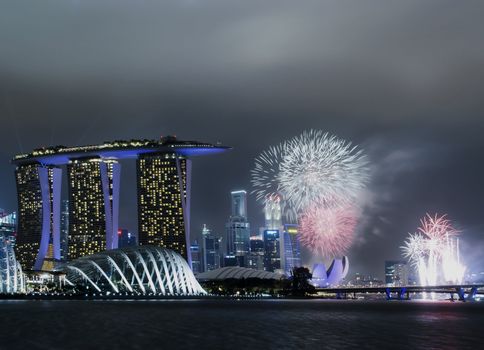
(328, 231)
(434, 251)
(265, 180)
(319, 169)
(265, 175)
(414, 248)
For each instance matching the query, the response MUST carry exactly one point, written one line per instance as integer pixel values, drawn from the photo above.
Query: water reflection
(226, 324)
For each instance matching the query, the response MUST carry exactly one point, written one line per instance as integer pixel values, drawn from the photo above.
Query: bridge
(466, 292)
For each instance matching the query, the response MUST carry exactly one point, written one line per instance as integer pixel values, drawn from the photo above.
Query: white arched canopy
(143, 269)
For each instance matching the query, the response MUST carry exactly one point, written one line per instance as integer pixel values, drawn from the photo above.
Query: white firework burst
(319, 169)
(265, 175)
(265, 179)
(415, 248)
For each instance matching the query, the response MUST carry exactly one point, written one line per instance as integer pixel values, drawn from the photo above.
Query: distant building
(272, 252)
(396, 273)
(291, 255)
(232, 260)
(256, 256)
(360, 280)
(195, 255)
(273, 213)
(64, 230)
(126, 239)
(211, 254)
(238, 229)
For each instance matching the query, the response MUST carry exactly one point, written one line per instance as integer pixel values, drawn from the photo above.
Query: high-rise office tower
(38, 194)
(164, 201)
(239, 204)
(272, 213)
(291, 256)
(238, 229)
(64, 230)
(256, 256)
(210, 250)
(272, 250)
(396, 273)
(272, 234)
(196, 257)
(93, 205)
(126, 239)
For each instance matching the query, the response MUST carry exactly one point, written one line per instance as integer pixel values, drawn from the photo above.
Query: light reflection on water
(232, 324)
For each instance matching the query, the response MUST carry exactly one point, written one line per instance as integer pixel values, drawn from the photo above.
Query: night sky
(403, 79)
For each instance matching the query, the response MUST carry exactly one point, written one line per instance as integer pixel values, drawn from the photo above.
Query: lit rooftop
(118, 149)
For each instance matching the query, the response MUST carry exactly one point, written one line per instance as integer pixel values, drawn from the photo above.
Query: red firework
(437, 227)
(328, 231)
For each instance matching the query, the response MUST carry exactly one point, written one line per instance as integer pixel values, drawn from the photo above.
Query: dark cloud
(403, 79)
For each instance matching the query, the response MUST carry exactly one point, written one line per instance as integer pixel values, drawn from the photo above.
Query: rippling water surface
(232, 324)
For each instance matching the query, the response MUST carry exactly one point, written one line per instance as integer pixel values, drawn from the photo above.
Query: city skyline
(341, 207)
(413, 105)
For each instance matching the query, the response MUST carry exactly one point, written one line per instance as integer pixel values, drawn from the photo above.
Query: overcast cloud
(404, 79)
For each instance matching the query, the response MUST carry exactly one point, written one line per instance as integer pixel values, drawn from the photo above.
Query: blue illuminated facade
(291, 256)
(272, 250)
(94, 176)
(238, 229)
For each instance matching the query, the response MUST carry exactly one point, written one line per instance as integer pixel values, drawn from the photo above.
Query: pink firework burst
(328, 231)
(437, 227)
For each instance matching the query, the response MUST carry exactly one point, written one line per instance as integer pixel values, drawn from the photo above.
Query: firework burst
(415, 248)
(319, 169)
(328, 231)
(437, 228)
(434, 251)
(265, 175)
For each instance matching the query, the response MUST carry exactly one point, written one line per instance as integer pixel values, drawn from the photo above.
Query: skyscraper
(38, 194)
(291, 256)
(272, 253)
(196, 257)
(273, 235)
(238, 228)
(239, 204)
(93, 205)
(256, 256)
(210, 250)
(164, 201)
(64, 230)
(273, 213)
(396, 273)
(126, 239)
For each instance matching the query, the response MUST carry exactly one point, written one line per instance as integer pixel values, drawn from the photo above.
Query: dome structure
(11, 276)
(331, 277)
(237, 273)
(143, 270)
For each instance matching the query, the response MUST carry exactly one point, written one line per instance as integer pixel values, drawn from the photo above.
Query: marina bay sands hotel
(93, 177)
